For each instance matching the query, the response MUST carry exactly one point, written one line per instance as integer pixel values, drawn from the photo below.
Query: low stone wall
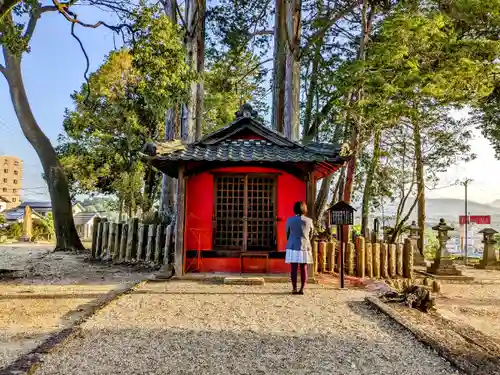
(131, 242)
(365, 259)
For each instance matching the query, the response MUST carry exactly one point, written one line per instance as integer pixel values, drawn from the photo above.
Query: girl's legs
(303, 276)
(293, 275)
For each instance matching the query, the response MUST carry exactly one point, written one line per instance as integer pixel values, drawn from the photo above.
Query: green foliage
(2, 219)
(126, 108)
(431, 244)
(43, 228)
(14, 230)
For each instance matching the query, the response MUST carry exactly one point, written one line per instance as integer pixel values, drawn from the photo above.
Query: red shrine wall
(200, 209)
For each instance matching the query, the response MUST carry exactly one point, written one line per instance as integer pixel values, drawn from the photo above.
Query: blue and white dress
(299, 231)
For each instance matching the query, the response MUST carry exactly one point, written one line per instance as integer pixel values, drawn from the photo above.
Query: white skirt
(298, 256)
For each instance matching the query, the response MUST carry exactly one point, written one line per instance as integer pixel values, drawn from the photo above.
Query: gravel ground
(476, 305)
(49, 293)
(192, 328)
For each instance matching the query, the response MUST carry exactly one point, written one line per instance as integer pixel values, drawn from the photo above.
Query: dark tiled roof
(252, 150)
(84, 217)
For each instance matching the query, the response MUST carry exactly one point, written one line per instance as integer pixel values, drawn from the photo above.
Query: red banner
(478, 219)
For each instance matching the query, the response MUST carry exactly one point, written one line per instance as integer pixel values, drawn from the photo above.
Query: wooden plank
(159, 244)
(141, 243)
(123, 243)
(95, 236)
(179, 224)
(132, 239)
(168, 240)
(151, 242)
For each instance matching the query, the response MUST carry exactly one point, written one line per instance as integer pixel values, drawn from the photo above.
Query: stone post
(350, 258)
(132, 237)
(392, 260)
(384, 261)
(159, 243)
(489, 254)
(330, 255)
(151, 242)
(443, 264)
(399, 259)
(118, 242)
(418, 258)
(105, 239)
(123, 244)
(408, 259)
(168, 240)
(27, 225)
(369, 260)
(142, 240)
(361, 265)
(97, 237)
(376, 260)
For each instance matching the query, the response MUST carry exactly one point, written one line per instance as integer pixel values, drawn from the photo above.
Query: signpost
(341, 214)
(478, 219)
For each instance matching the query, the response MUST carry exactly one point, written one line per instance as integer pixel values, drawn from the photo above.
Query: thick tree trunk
(189, 109)
(279, 66)
(419, 171)
(172, 131)
(312, 131)
(292, 72)
(200, 68)
(367, 192)
(64, 226)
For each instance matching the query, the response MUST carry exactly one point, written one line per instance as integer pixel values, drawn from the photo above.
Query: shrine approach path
(193, 328)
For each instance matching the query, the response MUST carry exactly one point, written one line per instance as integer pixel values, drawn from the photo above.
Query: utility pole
(466, 183)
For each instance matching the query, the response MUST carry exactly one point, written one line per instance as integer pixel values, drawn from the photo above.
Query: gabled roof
(84, 217)
(256, 143)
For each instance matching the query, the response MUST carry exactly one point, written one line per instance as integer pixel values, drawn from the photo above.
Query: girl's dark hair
(300, 208)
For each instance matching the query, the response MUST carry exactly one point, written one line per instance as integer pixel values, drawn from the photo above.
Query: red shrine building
(237, 186)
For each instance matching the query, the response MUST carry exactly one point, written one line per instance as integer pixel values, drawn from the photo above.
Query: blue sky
(52, 71)
(55, 67)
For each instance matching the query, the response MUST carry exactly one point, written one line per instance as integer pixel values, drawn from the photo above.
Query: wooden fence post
(111, 240)
(399, 259)
(369, 260)
(384, 261)
(131, 251)
(168, 241)
(118, 239)
(315, 257)
(330, 255)
(408, 259)
(392, 260)
(376, 260)
(350, 258)
(360, 267)
(105, 239)
(151, 242)
(123, 243)
(159, 243)
(95, 235)
(142, 240)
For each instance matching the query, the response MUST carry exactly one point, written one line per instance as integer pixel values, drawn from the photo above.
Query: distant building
(84, 223)
(11, 175)
(40, 208)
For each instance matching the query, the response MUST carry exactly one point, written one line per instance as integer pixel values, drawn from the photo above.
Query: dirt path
(48, 294)
(191, 328)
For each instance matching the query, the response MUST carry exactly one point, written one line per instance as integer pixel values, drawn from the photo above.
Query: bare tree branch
(260, 32)
(34, 19)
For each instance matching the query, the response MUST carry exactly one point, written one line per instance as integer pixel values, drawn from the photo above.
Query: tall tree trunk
(172, 131)
(292, 72)
(57, 183)
(419, 171)
(366, 20)
(311, 94)
(200, 68)
(189, 109)
(278, 81)
(367, 192)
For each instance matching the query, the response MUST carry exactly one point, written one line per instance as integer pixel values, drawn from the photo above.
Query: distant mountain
(448, 208)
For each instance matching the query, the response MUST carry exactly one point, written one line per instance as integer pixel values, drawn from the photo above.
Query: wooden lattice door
(245, 212)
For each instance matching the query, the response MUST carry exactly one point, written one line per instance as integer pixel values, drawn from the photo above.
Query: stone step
(239, 280)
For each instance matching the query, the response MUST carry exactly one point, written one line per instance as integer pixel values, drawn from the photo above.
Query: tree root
(415, 296)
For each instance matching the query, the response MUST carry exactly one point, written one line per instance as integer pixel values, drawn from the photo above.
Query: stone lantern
(443, 264)
(489, 255)
(418, 257)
